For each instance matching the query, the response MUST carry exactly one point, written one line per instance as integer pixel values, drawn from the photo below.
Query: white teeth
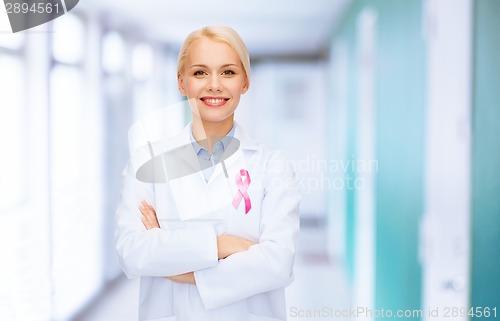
(214, 101)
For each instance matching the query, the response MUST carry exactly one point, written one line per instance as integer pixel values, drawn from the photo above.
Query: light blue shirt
(207, 161)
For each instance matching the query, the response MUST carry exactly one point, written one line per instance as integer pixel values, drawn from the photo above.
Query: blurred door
(364, 266)
(337, 148)
(445, 229)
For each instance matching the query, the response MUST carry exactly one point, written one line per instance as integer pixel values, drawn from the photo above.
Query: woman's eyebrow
(198, 66)
(229, 65)
(205, 66)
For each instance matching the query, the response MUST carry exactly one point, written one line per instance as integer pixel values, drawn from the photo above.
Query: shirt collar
(225, 140)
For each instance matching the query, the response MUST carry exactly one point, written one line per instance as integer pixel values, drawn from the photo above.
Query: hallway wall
(399, 101)
(486, 157)
(391, 275)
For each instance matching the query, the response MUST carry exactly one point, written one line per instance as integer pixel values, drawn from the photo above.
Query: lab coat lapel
(232, 157)
(179, 157)
(195, 198)
(236, 161)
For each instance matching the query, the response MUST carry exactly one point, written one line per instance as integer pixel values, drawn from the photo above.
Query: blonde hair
(217, 33)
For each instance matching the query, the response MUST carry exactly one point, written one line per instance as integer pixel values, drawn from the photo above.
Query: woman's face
(215, 78)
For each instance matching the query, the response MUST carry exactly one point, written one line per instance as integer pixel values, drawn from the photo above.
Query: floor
(319, 292)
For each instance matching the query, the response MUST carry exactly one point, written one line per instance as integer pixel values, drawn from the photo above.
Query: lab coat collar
(180, 145)
(183, 140)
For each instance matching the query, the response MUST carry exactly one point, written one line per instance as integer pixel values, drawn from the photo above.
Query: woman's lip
(214, 101)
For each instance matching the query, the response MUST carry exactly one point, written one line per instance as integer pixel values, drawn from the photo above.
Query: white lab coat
(245, 286)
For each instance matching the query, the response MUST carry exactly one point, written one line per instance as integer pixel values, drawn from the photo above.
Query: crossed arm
(226, 244)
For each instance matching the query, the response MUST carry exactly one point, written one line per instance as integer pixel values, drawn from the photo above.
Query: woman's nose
(214, 84)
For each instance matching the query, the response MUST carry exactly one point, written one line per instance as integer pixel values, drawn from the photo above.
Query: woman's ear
(245, 86)
(180, 84)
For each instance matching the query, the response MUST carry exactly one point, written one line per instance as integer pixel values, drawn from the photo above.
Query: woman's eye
(228, 72)
(199, 73)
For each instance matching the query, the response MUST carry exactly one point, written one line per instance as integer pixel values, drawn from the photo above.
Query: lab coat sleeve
(267, 265)
(159, 251)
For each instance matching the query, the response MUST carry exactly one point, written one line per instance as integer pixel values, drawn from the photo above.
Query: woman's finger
(153, 219)
(149, 215)
(145, 222)
(144, 217)
(143, 210)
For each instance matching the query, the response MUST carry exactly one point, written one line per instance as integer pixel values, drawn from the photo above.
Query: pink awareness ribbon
(242, 190)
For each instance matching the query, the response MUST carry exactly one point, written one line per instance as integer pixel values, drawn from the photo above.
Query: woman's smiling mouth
(214, 101)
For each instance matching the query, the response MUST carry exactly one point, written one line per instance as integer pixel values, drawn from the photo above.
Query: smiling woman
(195, 240)
(215, 77)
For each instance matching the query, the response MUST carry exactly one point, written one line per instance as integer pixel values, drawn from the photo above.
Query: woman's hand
(229, 244)
(150, 221)
(183, 278)
(226, 244)
(148, 217)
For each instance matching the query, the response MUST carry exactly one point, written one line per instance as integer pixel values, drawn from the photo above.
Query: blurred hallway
(388, 110)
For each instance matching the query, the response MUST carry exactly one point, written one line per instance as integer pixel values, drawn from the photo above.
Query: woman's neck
(208, 133)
